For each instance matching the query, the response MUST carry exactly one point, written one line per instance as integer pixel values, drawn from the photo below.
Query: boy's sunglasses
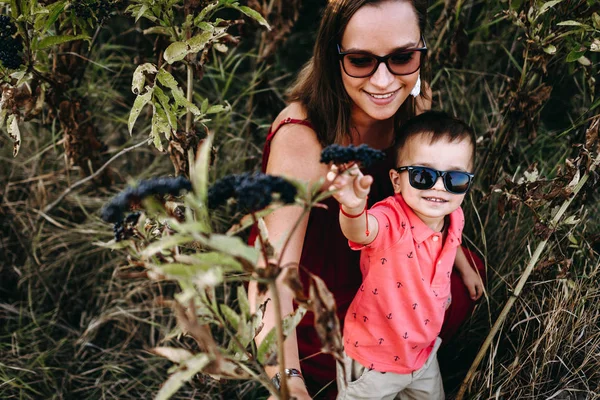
(361, 64)
(423, 178)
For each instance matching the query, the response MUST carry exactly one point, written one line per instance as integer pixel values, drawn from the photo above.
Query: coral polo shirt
(397, 313)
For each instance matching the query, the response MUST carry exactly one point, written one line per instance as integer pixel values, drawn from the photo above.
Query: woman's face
(380, 29)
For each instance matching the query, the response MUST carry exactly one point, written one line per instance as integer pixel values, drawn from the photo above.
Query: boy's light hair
(438, 125)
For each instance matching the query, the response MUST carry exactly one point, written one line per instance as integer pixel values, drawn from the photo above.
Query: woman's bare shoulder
(295, 149)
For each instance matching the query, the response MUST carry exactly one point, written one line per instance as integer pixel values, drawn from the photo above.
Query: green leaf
(157, 30)
(570, 23)
(254, 15)
(574, 55)
(199, 177)
(233, 246)
(164, 102)
(596, 20)
(269, 344)
(231, 316)
(167, 242)
(173, 354)
(211, 259)
(55, 10)
(205, 11)
(50, 41)
(166, 79)
(176, 52)
(547, 5)
(181, 101)
(139, 78)
(198, 42)
(267, 347)
(204, 106)
(205, 26)
(187, 371)
(217, 109)
(138, 104)
(141, 12)
(12, 125)
(243, 302)
(550, 49)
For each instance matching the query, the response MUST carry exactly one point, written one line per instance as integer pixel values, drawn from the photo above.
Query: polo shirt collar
(421, 232)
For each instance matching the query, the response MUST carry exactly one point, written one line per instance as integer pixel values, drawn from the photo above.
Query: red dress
(326, 253)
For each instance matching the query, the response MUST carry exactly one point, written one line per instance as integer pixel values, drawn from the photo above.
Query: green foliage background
(76, 321)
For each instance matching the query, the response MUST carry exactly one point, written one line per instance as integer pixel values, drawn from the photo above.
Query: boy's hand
(351, 186)
(473, 282)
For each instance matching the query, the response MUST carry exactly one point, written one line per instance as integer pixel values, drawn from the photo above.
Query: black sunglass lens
(423, 178)
(457, 182)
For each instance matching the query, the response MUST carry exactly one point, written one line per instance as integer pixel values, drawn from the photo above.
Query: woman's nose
(382, 77)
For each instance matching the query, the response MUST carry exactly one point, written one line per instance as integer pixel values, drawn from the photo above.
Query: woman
(356, 89)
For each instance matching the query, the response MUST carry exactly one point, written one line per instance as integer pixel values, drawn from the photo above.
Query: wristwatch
(290, 372)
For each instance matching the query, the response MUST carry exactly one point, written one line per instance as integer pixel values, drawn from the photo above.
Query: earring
(417, 89)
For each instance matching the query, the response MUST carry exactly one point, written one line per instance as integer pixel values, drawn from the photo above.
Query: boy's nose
(439, 183)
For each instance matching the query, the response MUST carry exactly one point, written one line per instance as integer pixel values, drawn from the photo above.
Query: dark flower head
(133, 195)
(362, 154)
(251, 192)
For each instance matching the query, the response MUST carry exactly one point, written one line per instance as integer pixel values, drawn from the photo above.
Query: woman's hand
(473, 282)
(351, 187)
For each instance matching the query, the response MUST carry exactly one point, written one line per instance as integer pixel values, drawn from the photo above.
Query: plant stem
(190, 95)
(280, 339)
(532, 262)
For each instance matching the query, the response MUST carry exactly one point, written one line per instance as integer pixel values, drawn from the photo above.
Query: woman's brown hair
(319, 85)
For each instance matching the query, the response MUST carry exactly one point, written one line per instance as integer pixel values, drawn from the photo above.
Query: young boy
(409, 242)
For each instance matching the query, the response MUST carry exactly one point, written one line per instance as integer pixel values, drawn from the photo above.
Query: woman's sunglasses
(361, 64)
(423, 178)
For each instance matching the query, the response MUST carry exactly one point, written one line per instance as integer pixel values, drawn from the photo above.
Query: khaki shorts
(423, 384)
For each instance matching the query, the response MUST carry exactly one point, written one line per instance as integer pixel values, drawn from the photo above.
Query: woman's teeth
(382, 96)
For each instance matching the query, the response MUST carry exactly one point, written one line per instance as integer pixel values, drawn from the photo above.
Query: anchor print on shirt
(414, 306)
(414, 347)
(398, 285)
(365, 318)
(410, 255)
(354, 315)
(356, 344)
(403, 225)
(427, 321)
(383, 261)
(389, 316)
(375, 292)
(405, 336)
(396, 358)
(387, 225)
(362, 288)
(371, 367)
(380, 340)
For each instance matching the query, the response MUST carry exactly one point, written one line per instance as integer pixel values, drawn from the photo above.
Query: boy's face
(432, 205)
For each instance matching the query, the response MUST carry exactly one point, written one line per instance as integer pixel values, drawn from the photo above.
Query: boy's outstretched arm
(469, 275)
(351, 191)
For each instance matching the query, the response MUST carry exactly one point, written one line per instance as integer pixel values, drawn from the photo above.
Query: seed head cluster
(113, 210)
(100, 9)
(124, 229)
(251, 192)
(10, 47)
(362, 154)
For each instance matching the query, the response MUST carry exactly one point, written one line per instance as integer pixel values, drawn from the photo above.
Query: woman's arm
(295, 153)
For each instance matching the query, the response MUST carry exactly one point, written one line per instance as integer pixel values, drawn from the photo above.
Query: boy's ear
(395, 178)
